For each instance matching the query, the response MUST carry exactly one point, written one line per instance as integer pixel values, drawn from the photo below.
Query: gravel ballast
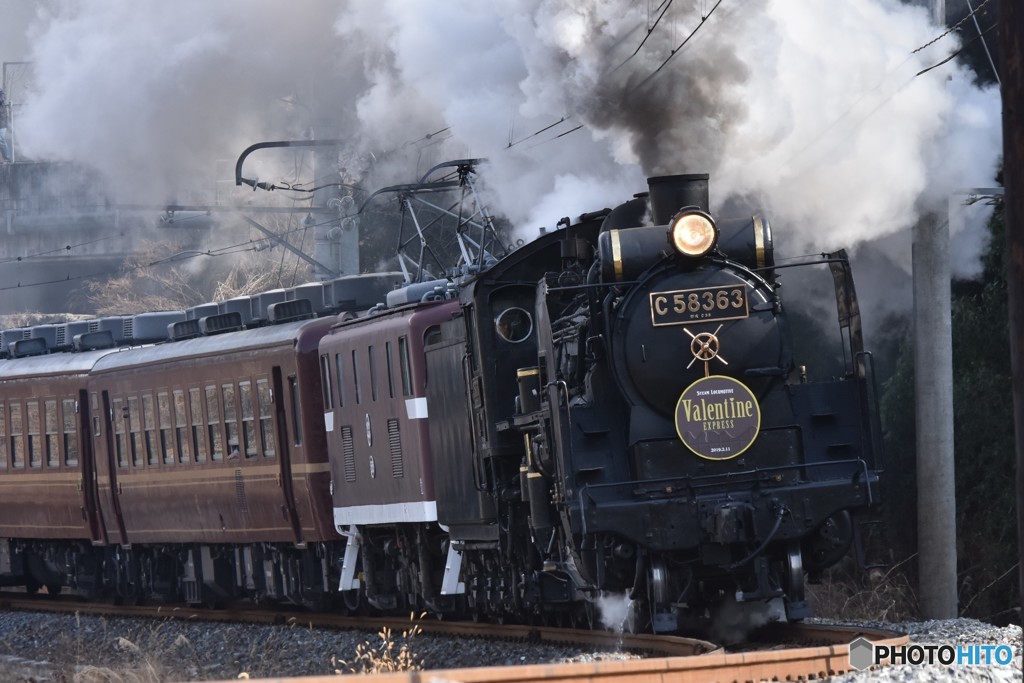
(47, 647)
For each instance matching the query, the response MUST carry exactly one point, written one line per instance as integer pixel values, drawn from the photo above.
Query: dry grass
(152, 652)
(875, 595)
(393, 654)
(148, 656)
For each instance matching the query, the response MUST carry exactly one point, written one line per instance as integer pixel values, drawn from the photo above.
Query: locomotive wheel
(796, 604)
(794, 573)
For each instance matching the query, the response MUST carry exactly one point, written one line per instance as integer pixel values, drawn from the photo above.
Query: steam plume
(815, 111)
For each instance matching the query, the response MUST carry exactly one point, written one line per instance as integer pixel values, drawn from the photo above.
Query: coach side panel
(42, 489)
(204, 450)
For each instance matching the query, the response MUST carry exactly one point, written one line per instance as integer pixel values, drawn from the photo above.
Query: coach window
(391, 375)
(135, 429)
(35, 458)
(213, 424)
(231, 419)
(181, 426)
(339, 365)
(355, 377)
(195, 401)
(403, 360)
(120, 442)
(3, 437)
(70, 409)
(17, 444)
(325, 382)
(266, 417)
(372, 360)
(248, 420)
(52, 439)
(97, 431)
(163, 416)
(149, 425)
(293, 397)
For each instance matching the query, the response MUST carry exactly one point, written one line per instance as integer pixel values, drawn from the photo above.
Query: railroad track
(782, 652)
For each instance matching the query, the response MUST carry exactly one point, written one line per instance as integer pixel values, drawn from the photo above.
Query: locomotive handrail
(825, 259)
(875, 427)
(699, 482)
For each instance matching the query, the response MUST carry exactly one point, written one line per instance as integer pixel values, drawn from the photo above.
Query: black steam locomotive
(627, 416)
(612, 409)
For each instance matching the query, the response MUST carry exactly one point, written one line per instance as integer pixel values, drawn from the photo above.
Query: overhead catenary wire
(951, 28)
(663, 7)
(667, 4)
(957, 53)
(898, 88)
(535, 134)
(703, 20)
(984, 43)
(56, 250)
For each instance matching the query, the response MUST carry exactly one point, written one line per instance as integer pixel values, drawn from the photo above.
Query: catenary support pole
(933, 387)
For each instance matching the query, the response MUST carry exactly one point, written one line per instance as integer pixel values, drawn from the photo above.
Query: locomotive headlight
(693, 232)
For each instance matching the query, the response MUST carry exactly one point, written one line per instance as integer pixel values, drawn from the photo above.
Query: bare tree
(164, 276)
(152, 279)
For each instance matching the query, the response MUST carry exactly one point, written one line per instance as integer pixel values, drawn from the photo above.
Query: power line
(560, 135)
(951, 28)
(954, 55)
(703, 20)
(535, 134)
(664, 7)
(66, 247)
(667, 4)
(984, 43)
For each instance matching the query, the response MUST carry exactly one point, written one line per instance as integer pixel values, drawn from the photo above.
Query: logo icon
(861, 653)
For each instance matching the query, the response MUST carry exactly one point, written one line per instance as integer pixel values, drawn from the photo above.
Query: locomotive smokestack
(669, 193)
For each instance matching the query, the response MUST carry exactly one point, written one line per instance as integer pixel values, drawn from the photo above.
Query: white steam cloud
(813, 111)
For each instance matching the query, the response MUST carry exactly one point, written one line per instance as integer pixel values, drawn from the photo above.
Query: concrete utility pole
(933, 386)
(1011, 46)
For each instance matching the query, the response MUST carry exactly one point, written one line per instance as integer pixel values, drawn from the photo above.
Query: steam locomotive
(613, 408)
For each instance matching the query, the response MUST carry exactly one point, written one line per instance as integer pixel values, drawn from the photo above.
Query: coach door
(110, 504)
(90, 479)
(284, 455)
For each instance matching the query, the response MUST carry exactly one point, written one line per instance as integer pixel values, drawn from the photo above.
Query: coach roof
(215, 345)
(51, 364)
